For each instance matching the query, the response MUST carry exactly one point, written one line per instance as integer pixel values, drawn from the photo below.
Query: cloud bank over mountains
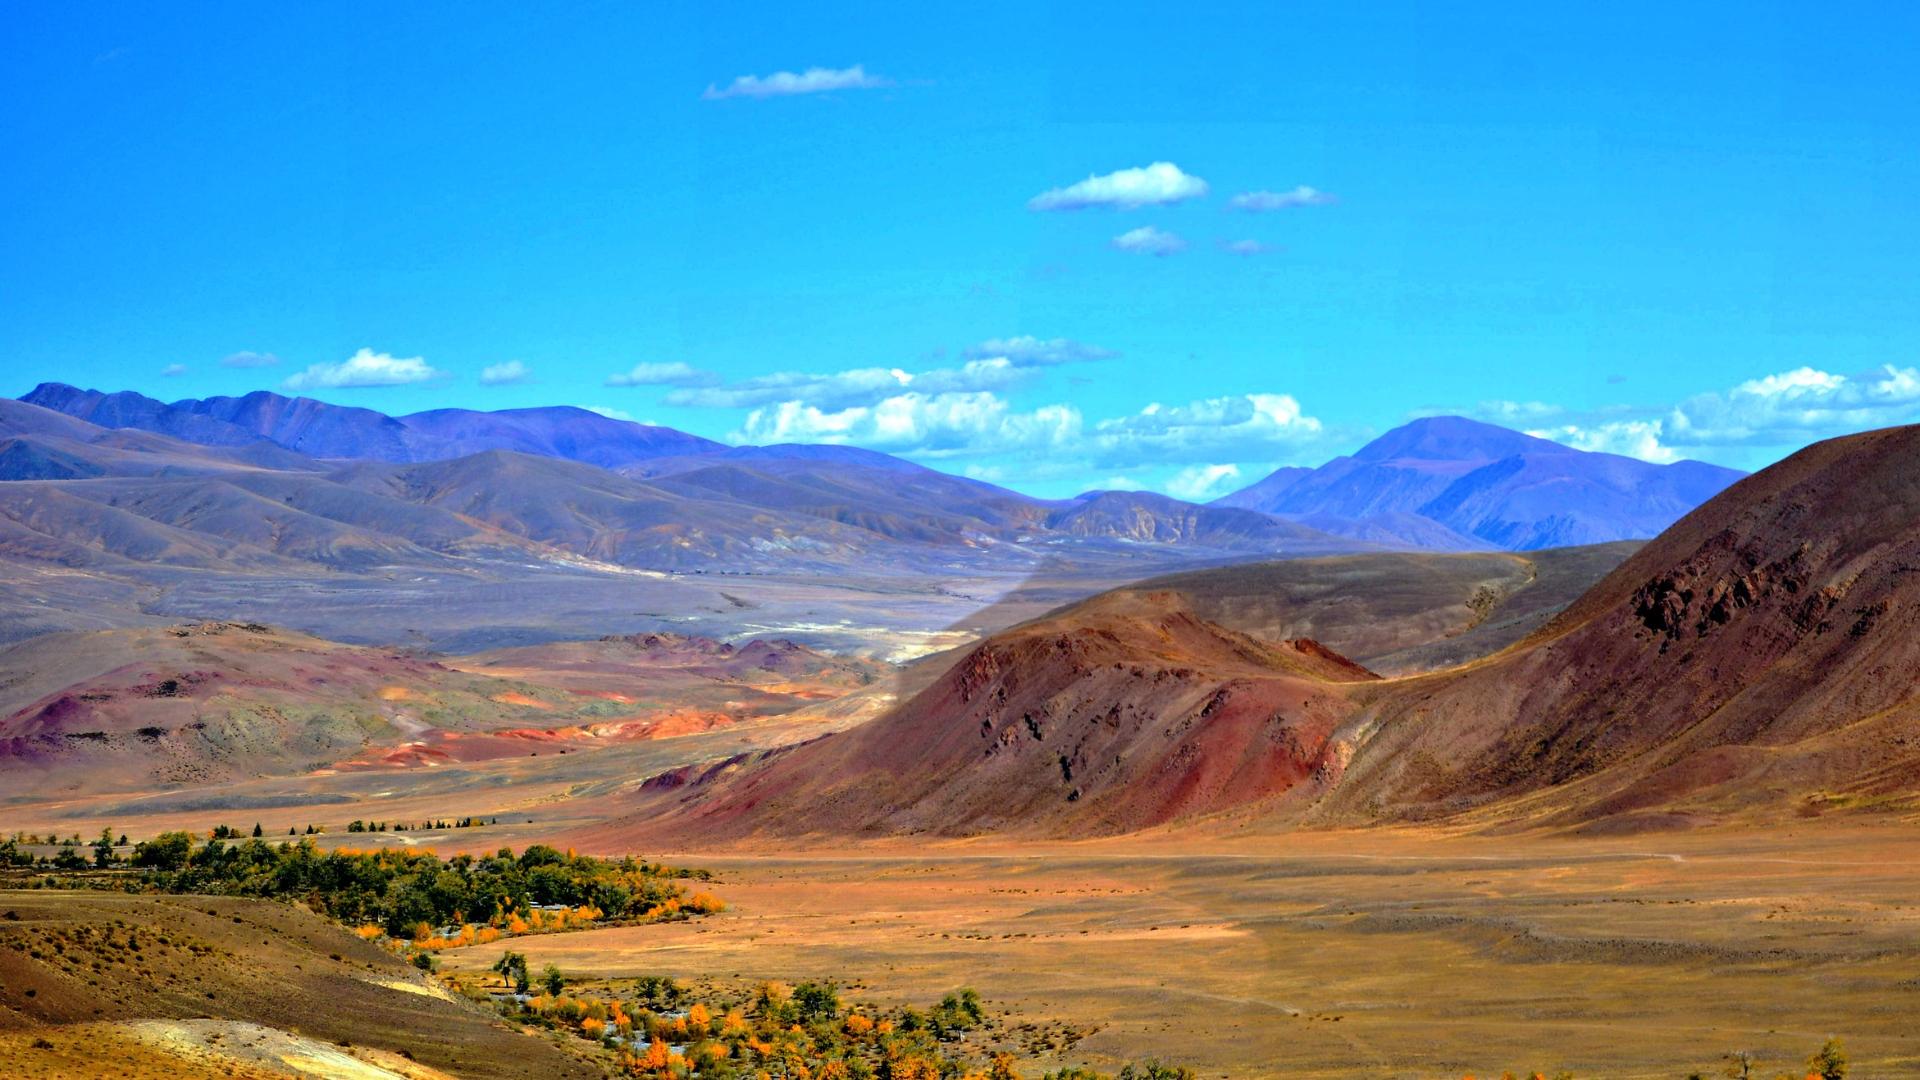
(362, 369)
(1765, 416)
(998, 411)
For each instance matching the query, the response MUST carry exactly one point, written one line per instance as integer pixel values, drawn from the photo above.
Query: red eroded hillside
(1760, 658)
(1123, 713)
(1761, 653)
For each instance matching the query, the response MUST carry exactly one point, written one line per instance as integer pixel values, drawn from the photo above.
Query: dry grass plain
(1375, 954)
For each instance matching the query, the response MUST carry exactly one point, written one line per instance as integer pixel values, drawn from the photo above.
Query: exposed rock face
(1760, 652)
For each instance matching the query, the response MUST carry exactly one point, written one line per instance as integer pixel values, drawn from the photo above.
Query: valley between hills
(1381, 780)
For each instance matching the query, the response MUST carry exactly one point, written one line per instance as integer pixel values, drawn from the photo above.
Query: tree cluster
(402, 891)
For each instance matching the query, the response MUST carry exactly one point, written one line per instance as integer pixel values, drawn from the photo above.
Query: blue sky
(1667, 233)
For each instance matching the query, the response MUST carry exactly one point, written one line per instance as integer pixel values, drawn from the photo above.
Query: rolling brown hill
(680, 674)
(1144, 517)
(97, 983)
(121, 527)
(152, 708)
(160, 708)
(1397, 612)
(1127, 712)
(1758, 657)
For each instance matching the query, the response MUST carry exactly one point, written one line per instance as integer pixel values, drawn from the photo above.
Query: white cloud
(505, 373)
(963, 413)
(1155, 185)
(934, 425)
(610, 412)
(1029, 351)
(1631, 438)
(996, 364)
(1259, 202)
(1794, 407)
(1147, 240)
(1053, 441)
(1246, 247)
(249, 359)
(364, 368)
(172, 371)
(1198, 483)
(833, 390)
(1799, 383)
(816, 80)
(1243, 426)
(1765, 416)
(674, 373)
(1514, 412)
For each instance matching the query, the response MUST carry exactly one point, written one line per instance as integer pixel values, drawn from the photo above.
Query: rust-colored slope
(1129, 712)
(1760, 652)
(1759, 657)
(214, 702)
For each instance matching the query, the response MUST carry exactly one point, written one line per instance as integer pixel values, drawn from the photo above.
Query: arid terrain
(1391, 953)
(1390, 813)
(770, 541)
(162, 727)
(151, 987)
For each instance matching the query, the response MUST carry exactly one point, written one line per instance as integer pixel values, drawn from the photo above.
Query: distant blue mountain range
(1444, 483)
(1449, 482)
(320, 430)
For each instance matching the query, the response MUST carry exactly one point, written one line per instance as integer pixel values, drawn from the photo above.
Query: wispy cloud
(1147, 240)
(994, 365)
(1246, 248)
(1512, 412)
(1628, 438)
(505, 373)
(1198, 483)
(364, 368)
(1751, 422)
(1244, 427)
(609, 412)
(1030, 351)
(674, 373)
(931, 425)
(1154, 185)
(817, 80)
(1797, 406)
(173, 371)
(1260, 202)
(246, 358)
(967, 414)
(859, 386)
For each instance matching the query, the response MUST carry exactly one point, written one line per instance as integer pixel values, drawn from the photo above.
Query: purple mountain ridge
(1439, 484)
(1488, 486)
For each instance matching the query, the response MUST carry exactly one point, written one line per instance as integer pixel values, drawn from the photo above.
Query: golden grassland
(1393, 953)
(1405, 953)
